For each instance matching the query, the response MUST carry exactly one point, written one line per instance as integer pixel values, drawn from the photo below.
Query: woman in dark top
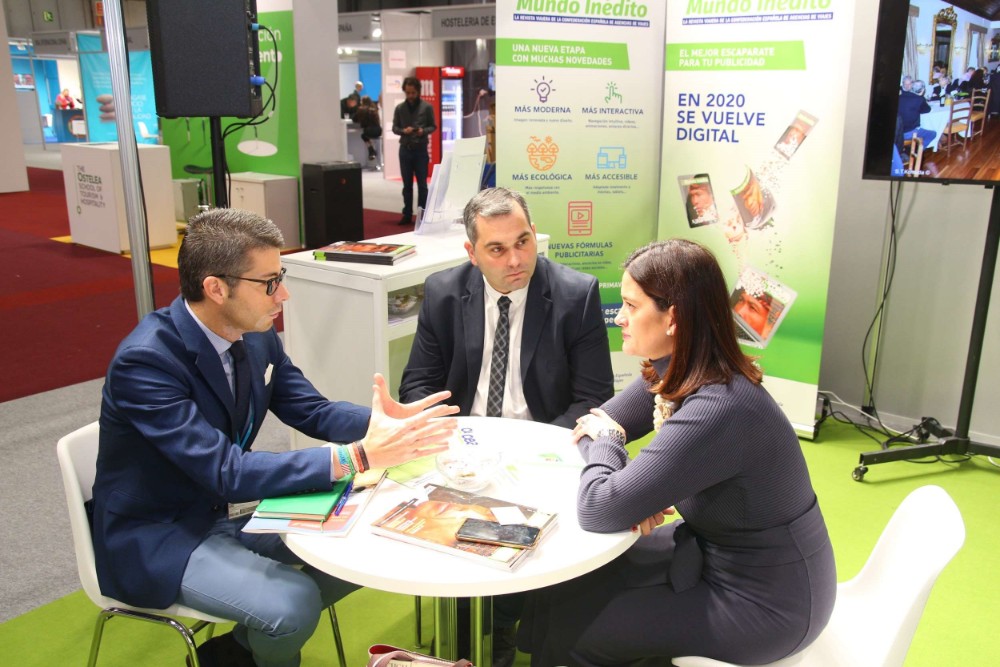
(367, 116)
(748, 575)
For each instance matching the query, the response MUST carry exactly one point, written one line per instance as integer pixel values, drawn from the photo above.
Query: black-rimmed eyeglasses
(272, 283)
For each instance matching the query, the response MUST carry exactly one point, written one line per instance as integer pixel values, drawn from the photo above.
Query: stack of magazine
(432, 521)
(367, 252)
(333, 519)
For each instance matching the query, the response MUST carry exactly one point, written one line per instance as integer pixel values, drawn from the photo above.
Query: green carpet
(956, 628)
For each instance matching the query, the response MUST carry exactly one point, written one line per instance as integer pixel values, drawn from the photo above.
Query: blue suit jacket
(168, 465)
(565, 357)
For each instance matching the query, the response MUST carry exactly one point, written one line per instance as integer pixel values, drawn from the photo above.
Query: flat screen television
(910, 42)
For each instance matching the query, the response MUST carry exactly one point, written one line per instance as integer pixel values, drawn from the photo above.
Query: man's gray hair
(218, 242)
(918, 87)
(491, 203)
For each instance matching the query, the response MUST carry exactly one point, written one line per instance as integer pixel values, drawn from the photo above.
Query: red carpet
(383, 223)
(65, 306)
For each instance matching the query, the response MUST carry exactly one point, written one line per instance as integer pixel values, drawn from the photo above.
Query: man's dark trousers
(413, 162)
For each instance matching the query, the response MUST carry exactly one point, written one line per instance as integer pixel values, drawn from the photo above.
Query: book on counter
(432, 520)
(365, 486)
(367, 252)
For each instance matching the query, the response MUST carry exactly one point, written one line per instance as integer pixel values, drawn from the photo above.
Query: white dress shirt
(514, 404)
(221, 346)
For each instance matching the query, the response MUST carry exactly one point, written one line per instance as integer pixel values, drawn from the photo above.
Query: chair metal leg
(419, 624)
(95, 643)
(185, 632)
(336, 636)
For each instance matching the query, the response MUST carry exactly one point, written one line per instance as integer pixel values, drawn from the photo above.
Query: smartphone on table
(516, 535)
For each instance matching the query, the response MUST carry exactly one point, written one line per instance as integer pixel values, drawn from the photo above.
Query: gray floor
(36, 558)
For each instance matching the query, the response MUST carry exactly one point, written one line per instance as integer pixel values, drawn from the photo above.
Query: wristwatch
(614, 434)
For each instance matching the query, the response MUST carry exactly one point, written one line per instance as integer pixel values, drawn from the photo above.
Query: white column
(322, 136)
(13, 172)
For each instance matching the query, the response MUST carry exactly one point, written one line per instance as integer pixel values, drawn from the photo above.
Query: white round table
(540, 468)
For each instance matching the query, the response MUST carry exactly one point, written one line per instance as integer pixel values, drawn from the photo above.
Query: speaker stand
(219, 167)
(957, 442)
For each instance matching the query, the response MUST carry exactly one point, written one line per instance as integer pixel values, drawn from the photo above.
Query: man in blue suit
(175, 449)
(559, 362)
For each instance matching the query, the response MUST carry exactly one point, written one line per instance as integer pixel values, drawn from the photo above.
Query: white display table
(546, 471)
(338, 328)
(95, 198)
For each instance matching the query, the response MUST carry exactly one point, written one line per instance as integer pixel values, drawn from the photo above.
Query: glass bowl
(468, 468)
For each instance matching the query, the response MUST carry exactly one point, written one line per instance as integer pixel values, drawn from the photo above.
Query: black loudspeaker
(332, 203)
(204, 56)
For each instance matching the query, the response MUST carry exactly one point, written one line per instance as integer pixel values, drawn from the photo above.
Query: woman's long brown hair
(687, 276)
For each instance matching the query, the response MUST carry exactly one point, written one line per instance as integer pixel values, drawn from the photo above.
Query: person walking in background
(413, 120)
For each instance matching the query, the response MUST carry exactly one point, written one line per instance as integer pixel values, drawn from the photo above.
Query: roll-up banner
(578, 120)
(753, 120)
(98, 100)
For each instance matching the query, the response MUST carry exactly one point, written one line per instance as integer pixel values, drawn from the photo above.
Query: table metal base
(445, 643)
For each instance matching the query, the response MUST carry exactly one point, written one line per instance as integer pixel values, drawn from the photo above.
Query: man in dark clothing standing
(413, 121)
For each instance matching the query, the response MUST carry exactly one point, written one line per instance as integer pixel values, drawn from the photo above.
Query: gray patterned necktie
(498, 364)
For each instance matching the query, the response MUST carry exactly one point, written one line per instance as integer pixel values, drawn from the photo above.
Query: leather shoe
(406, 220)
(223, 651)
(504, 645)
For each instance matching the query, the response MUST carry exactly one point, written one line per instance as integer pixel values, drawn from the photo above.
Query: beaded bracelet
(361, 453)
(352, 450)
(344, 457)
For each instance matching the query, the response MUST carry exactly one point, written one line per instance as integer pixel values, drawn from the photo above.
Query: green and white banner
(753, 120)
(578, 130)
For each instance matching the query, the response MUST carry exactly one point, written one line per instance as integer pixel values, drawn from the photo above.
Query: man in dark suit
(561, 367)
(183, 400)
(559, 364)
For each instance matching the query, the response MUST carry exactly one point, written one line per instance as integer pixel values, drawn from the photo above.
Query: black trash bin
(332, 203)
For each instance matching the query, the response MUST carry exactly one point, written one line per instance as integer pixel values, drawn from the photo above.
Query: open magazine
(759, 304)
(433, 520)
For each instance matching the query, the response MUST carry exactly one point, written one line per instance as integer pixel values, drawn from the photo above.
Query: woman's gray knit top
(728, 459)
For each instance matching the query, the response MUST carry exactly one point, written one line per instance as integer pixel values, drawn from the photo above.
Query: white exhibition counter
(95, 198)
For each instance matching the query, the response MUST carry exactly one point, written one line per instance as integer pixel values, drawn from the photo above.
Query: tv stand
(957, 442)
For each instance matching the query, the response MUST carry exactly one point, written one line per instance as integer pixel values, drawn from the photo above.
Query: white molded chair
(77, 454)
(877, 612)
(145, 133)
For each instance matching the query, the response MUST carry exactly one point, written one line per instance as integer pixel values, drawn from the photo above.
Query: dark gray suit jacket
(565, 356)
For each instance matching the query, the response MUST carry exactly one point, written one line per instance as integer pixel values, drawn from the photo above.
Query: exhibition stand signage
(753, 122)
(581, 117)
(98, 100)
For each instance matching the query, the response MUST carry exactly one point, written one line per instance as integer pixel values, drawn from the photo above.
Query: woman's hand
(592, 424)
(400, 432)
(647, 525)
